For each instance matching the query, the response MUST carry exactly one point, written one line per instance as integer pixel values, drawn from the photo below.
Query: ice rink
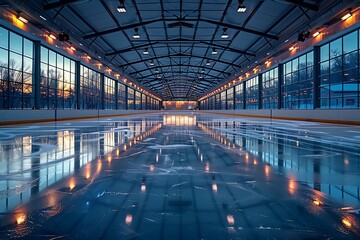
(180, 175)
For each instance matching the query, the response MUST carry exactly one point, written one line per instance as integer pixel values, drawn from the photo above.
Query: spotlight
(315, 34)
(121, 8)
(224, 35)
(146, 52)
(152, 63)
(52, 36)
(214, 51)
(64, 37)
(72, 48)
(208, 63)
(303, 36)
(136, 34)
(241, 7)
(21, 18)
(346, 16)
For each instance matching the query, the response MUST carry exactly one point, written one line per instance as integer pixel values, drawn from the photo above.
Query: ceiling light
(72, 48)
(315, 34)
(291, 48)
(346, 16)
(224, 35)
(201, 76)
(286, 40)
(214, 51)
(88, 57)
(24, 20)
(136, 34)
(52, 36)
(159, 76)
(156, 71)
(152, 63)
(43, 18)
(202, 71)
(241, 7)
(121, 8)
(146, 52)
(208, 63)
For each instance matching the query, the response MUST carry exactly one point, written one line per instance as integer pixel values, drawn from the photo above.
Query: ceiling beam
(122, 28)
(163, 74)
(182, 65)
(239, 28)
(303, 4)
(228, 48)
(178, 55)
(130, 49)
(182, 40)
(58, 4)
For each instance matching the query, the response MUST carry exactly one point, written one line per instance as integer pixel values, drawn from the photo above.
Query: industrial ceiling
(180, 49)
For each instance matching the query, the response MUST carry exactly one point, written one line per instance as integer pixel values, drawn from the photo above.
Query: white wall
(31, 116)
(351, 116)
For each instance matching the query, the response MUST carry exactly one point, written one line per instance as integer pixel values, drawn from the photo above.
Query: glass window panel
(52, 58)
(28, 48)
(295, 64)
(324, 52)
(302, 62)
(4, 38)
(336, 48)
(351, 60)
(44, 54)
(67, 66)
(16, 43)
(336, 78)
(15, 61)
(72, 66)
(28, 65)
(324, 68)
(4, 57)
(350, 42)
(351, 75)
(310, 59)
(336, 65)
(60, 61)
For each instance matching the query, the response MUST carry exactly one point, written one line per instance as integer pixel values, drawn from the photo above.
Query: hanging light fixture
(224, 34)
(152, 63)
(146, 52)
(21, 18)
(121, 8)
(136, 33)
(208, 63)
(52, 36)
(241, 7)
(214, 51)
(346, 16)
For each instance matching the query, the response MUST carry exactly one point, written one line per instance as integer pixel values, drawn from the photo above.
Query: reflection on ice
(180, 177)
